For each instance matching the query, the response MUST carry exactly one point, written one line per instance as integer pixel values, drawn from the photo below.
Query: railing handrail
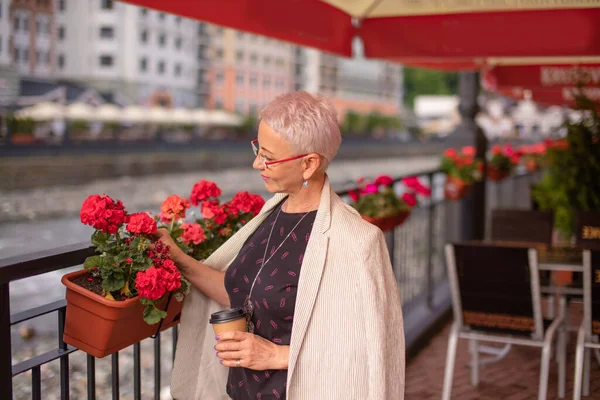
(40, 262)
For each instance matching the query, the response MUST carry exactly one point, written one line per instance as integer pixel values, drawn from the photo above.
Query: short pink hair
(308, 122)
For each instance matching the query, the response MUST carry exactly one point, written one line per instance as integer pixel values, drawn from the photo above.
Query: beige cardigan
(348, 337)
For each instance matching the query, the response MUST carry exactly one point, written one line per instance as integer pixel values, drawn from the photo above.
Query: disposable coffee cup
(230, 320)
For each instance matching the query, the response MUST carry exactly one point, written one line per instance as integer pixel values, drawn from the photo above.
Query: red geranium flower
(409, 199)
(141, 223)
(150, 283)
(354, 195)
(469, 151)
(103, 213)
(450, 153)
(173, 207)
(204, 190)
(193, 233)
(384, 180)
(212, 210)
(246, 203)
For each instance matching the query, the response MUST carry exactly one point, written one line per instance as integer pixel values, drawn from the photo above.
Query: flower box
(100, 327)
(455, 188)
(388, 223)
(496, 175)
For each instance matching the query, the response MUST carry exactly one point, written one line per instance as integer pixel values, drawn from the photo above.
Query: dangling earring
(305, 183)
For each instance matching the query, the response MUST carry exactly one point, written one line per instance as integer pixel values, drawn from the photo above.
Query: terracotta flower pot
(495, 174)
(455, 188)
(101, 327)
(387, 223)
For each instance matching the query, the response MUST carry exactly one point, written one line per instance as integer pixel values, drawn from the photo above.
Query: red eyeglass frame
(267, 163)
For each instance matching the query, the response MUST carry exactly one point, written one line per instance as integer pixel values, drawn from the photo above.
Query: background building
(248, 70)
(148, 57)
(29, 27)
(356, 84)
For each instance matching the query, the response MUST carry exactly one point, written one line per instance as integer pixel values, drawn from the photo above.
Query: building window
(253, 58)
(47, 58)
(107, 32)
(106, 61)
(161, 67)
(144, 12)
(25, 55)
(16, 54)
(17, 23)
(267, 60)
(161, 16)
(240, 35)
(267, 82)
(177, 69)
(62, 5)
(219, 54)
(144, 36)
(162, 39)
(220, 77)
(239, 55)
(252, 109)
(279, 62)
(25, 24)
(61, 32)
(253, 80)
(61, 61)
(218, 103)
(1, 7)
(219, 30)
(239, 78)
(38, 27)
(107, 4)
(178, 43)
(178, 20)
(239, 106)
(143, 64)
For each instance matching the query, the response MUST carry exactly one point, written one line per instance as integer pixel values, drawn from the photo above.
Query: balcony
(416, 251)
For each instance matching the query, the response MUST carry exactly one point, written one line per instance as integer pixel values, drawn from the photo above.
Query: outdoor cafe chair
(589, 331)
(496, 298)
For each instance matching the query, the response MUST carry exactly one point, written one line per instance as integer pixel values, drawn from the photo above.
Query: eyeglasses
(266, 163)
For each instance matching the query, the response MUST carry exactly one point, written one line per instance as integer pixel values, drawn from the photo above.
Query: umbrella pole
(468, 133)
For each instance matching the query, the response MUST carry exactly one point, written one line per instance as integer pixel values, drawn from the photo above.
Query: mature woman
(314, 278)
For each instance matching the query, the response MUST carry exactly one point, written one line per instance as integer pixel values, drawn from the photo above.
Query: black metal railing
(416, 250)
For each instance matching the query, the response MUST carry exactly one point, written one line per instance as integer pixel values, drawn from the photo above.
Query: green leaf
(153, 315)
(115, 280)
(93, 262)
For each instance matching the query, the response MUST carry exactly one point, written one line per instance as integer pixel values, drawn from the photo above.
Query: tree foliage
(418, 81)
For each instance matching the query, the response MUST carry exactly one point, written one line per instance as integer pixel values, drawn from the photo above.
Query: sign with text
(588, 230)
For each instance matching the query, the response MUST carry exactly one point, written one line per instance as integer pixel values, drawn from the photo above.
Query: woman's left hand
(253, 352)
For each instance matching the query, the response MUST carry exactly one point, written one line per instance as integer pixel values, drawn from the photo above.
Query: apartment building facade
(248, 70)
(27, 39)
(148, 57)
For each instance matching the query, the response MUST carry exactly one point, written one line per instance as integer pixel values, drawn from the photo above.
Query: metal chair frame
(539, 338)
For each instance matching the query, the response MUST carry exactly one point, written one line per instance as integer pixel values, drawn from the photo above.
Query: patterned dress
(274, 295)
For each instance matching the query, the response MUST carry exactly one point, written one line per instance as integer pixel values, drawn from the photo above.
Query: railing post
(430, 239)
(5, 343)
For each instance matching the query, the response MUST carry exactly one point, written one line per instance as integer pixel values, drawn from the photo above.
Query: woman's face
(285, 177)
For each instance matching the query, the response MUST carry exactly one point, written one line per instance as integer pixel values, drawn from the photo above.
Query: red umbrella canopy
(404, 29)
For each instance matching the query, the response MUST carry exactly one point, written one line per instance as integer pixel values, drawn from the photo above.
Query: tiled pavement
(515, 377)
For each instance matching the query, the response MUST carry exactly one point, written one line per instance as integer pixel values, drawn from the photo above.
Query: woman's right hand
(175, 253)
